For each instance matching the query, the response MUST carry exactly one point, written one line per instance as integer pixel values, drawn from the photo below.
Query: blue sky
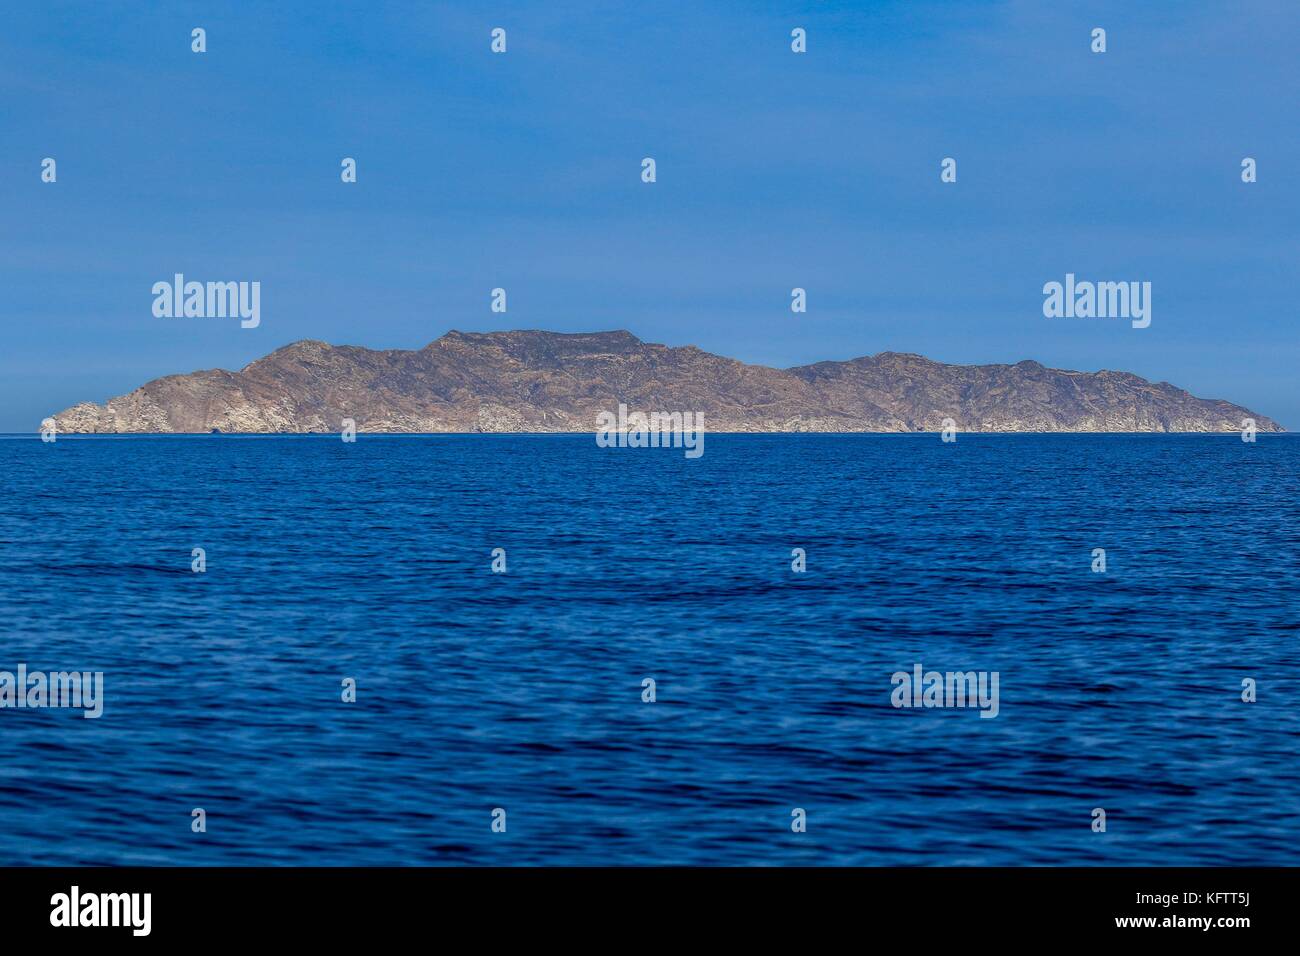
(775, 170)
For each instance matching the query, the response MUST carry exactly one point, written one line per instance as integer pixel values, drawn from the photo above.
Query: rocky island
(534, 381)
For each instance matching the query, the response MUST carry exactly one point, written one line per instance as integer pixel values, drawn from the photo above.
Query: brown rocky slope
(550, 382)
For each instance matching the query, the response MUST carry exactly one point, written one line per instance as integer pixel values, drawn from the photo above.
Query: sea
(531, 650)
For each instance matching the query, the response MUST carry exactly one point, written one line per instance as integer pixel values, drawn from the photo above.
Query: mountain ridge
(539, 381)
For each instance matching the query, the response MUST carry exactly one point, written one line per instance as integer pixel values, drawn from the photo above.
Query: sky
(775, 170)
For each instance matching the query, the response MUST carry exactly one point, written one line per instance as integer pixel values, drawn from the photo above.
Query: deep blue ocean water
(522, 690)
